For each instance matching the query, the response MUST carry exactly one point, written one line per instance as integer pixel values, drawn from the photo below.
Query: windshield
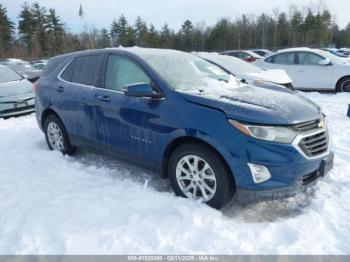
(332, 57)
(232, 64)
(8, 75)
(186, 72)
(20, 67)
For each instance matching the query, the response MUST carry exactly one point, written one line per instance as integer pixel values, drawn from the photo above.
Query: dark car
(248, 56)
(16, 94)
(187, 119)
(262, 52)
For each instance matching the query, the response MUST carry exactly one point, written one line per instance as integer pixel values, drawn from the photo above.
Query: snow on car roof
(294, 49)
(150, 51)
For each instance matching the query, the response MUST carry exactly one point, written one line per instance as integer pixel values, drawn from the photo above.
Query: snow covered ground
(93, 204)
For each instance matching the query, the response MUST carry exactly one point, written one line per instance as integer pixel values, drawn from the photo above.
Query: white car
(311, 69)
(248, 72)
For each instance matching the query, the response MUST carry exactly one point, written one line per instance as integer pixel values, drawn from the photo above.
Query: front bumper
(16, 108)
(246, 196)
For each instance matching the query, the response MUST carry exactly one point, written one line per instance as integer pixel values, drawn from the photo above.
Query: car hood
(273, 75)
(274, 106)
(17, 89)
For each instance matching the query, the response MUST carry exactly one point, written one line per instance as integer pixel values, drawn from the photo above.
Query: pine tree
(309, 28)
(55, 32)
(221, 36)
(141, 32)
(186, 36)
(297, 28)
(26, 27)
(153, 37)
(283, 30)
(120, 31)
(166, 37)
(103, 40)
(39, 15)
(6, 30)
(130, 36)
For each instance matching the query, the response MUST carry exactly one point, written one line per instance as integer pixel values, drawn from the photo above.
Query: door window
(86, 70)
(284, 58)
(306, 58)
(121, 72)
(243, 55)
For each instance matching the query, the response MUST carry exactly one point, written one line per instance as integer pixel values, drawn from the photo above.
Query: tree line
(40, 32)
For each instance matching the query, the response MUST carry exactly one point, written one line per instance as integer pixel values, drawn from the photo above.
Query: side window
(122, 71)
(270, 59)
(284, 58)
(51, 66)
(231, 54)
(68, 72)
(243, 55)
(306, 58)
(86, 70)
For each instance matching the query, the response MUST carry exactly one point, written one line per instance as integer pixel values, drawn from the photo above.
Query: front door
(310, 74)
(125, 123)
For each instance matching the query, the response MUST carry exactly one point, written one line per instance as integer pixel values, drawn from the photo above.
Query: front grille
(315, 144)
(307, 126)
(18, 109)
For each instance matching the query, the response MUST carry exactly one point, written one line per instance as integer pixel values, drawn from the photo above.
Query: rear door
(75, 95)
(310, 74)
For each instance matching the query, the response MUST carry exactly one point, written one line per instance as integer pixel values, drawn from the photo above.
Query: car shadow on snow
(271, 211)
(254, 213)
(123, 169)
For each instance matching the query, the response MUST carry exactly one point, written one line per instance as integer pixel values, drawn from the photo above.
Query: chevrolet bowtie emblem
(19, 100)
(321, 124)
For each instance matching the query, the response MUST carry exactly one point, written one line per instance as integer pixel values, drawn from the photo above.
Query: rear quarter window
(51, 66)
(68, 72)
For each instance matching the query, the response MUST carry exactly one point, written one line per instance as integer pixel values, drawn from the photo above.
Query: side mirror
(141, 90)
(325, 62)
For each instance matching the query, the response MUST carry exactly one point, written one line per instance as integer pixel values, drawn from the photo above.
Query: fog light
(259, 173)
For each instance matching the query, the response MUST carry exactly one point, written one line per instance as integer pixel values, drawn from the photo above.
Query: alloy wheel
(196, 178)
(55, 136)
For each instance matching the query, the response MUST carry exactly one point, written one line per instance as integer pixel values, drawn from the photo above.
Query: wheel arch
(338, 82)
(46, 113)
(190, 140)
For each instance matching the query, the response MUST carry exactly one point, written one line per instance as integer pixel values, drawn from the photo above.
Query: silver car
(16, 94)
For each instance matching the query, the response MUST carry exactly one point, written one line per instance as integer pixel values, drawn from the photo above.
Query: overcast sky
(100, 13)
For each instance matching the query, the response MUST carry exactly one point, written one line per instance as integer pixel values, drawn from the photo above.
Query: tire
(56, 136)
(210, 173)
(344, 85)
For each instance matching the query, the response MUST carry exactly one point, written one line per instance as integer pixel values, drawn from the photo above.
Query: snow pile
(92, 204)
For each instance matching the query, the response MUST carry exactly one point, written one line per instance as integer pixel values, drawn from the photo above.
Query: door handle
(301, 71)
(105, 99)
(60, 89)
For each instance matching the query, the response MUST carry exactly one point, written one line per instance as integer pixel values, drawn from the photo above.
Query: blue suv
(214, 138)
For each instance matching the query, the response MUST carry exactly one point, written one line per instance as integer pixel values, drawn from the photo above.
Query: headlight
(270, 133)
